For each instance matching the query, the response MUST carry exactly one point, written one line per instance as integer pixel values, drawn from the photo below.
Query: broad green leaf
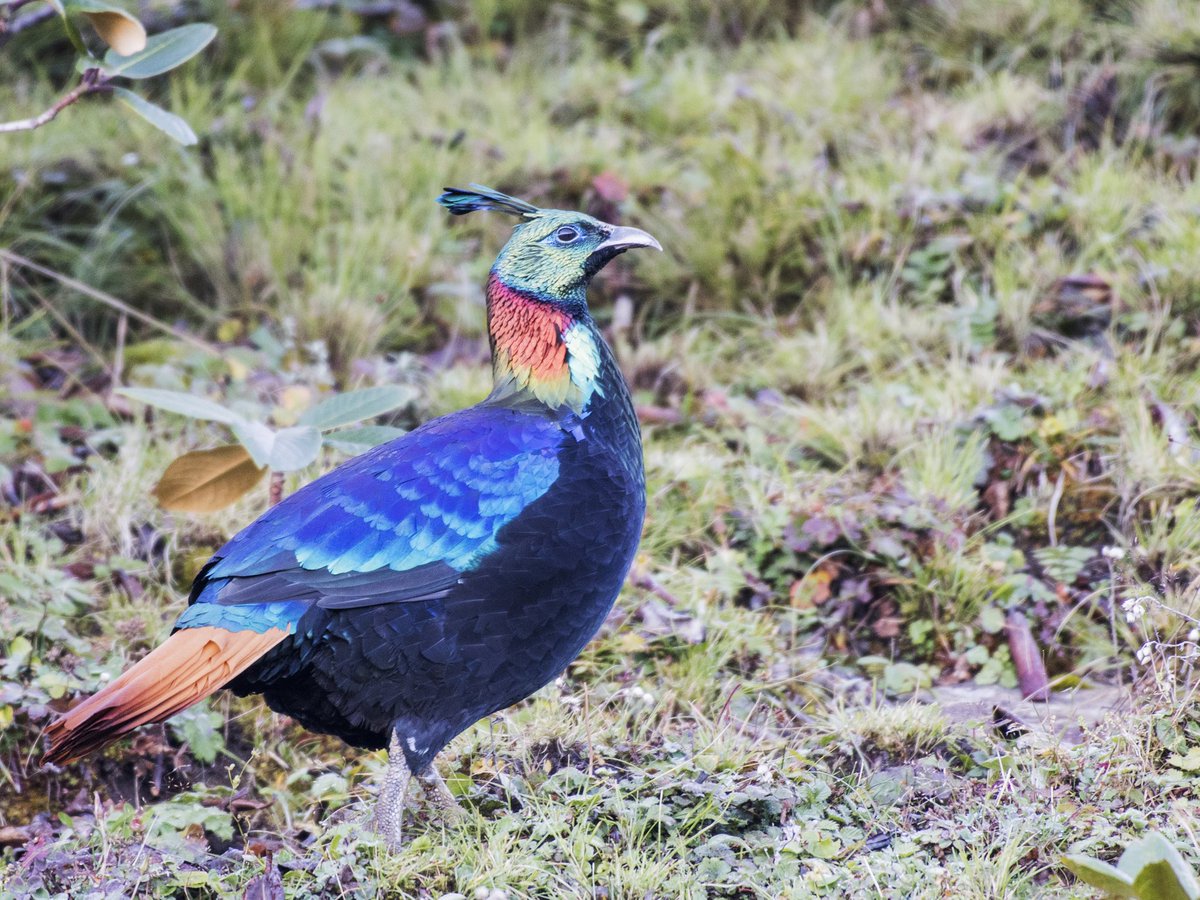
(1158, 870)
(1162, 881)
(295, 448)
(185, 404)
(356, 440)
(355, 406)
(168, 123)
(259, 441)
(1188, 763)
(162, 53)
(204, 481)
(117, 28)
(200, 728)
(1100, 875)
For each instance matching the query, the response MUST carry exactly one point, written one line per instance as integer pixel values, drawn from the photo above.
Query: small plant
(208, 480)
(131, 55)
(1149, 869)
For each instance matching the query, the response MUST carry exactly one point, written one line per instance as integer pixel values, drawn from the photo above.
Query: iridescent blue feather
(398, 523)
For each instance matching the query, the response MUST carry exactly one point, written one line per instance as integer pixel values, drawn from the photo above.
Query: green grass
(922, 351)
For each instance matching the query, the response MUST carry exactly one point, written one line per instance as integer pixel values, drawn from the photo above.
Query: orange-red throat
(540, 348)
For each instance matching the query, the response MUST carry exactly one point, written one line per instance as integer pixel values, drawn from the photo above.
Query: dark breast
(432, 668)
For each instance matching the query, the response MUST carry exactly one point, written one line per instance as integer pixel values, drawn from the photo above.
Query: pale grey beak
(622, 237)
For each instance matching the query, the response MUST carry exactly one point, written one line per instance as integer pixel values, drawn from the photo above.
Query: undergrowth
(917, 374)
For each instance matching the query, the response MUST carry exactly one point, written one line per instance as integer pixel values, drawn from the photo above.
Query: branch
(13, 5)
(8, 27)
(91, 83)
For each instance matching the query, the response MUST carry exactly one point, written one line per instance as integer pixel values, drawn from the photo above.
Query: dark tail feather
(190, 665)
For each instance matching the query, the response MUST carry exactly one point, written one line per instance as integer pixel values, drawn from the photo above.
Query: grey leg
(389, 808)
(439, 796)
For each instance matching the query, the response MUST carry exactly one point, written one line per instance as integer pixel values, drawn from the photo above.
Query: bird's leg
(389, 808)
(439, 796)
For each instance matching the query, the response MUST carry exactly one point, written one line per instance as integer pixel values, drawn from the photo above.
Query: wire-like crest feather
(460, 201)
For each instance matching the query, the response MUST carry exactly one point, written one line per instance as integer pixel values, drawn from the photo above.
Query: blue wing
(398, 523)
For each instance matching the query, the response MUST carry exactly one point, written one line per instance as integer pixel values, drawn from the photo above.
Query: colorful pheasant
(442, 576)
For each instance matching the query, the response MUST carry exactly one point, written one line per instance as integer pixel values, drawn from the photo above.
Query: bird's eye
(567, 234)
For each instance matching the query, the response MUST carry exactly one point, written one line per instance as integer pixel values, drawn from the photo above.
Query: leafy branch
(131, 55)
(208, 480)
(92, 82)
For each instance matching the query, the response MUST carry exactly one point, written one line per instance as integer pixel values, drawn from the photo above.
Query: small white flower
(1194, 635)
(1112, 553)
(638, 694)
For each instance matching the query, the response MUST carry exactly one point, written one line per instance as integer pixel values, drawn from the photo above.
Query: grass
(921, 355)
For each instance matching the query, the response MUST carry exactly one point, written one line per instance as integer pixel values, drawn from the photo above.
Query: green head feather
(554, 253)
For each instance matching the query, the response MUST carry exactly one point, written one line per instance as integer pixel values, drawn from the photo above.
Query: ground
(918, 380)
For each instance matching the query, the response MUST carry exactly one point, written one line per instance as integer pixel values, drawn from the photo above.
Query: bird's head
(544, 343)
(553, 253)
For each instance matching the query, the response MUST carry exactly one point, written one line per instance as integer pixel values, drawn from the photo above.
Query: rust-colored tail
(189, 666)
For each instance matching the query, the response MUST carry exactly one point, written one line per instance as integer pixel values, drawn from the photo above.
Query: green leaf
(189, 405)
(904, 678)
(168, 123)
(117, 28)
(355, 406)
(356, 440)
(1188, 763)
(1100, 875)
(259, 440)
(163, 52)
(295, 448)
(991, 619)
(200, 728)
(1158, 870)
(1064, 563)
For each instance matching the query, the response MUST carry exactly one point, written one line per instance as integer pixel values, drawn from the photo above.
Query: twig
(93, 81)
(70, 329)
(648, 582)
(10, 27)
(108, 300)
(1052, 515)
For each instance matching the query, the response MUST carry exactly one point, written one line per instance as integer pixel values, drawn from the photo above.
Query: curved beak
(623, 237)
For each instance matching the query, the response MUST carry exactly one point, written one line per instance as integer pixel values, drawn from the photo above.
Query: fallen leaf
(204, 481)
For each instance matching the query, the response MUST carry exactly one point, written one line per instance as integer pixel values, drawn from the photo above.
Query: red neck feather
(527, 336)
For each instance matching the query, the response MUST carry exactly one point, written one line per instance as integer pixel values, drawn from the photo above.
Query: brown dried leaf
(119, 30)
(204, 481)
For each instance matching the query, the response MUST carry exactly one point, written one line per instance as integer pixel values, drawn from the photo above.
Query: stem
(10, 26)
(276, 490)
(91, 83)
(14, 259)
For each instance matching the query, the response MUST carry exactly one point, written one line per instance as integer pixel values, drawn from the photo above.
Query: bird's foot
(388, 819)
(388, 825)
(439, 796)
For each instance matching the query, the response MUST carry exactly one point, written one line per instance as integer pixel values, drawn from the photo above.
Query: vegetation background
(918, 378)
